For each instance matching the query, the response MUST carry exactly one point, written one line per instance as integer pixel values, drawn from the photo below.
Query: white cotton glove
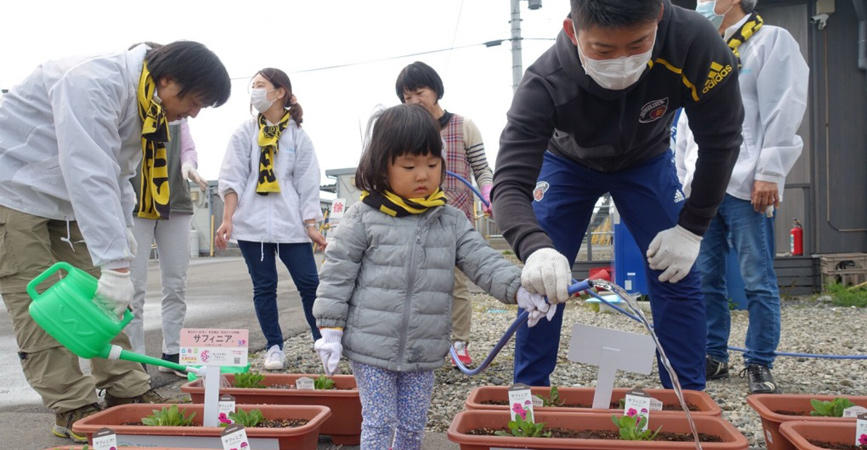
(673, 251)
(130, 240)
(329, 348)
(546, 272)
(190, 173)
(536, 306)
(114, 291)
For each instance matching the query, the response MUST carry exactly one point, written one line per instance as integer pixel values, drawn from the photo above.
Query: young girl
(269, 182)
(385, 291)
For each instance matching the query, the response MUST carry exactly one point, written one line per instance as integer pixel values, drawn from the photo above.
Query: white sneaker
(274, 359)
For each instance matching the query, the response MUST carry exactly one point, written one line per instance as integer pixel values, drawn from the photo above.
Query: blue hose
(576, 287)
(469, 185)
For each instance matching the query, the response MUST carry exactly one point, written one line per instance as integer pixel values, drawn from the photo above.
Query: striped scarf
(269, 142)
(746, 31)
(397, 206)
(154, 199)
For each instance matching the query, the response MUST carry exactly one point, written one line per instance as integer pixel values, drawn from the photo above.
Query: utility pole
(517, 62)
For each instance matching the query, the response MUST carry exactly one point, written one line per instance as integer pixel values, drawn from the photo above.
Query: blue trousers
(649, 201)
(752, 237)
(261, 264)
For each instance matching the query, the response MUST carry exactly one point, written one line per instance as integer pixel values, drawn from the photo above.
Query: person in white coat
(773, 84)
(71, 136)
(269, 183)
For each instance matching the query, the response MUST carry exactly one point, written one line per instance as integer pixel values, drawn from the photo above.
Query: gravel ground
(807, 326)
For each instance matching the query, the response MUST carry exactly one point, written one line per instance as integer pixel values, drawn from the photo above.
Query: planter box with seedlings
(775, 409)
(338, 392)
(154, 425)
(479, 429)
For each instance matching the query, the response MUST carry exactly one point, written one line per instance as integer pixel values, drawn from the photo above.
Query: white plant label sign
(521, 402)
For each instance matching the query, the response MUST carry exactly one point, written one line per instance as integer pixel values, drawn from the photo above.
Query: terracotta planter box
(344, 425)
(469, 420)
(769, 405)
(798, 433)
(584, 396)
(303, 437)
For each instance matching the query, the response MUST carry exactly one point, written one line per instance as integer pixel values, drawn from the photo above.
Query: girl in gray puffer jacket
(384, 297)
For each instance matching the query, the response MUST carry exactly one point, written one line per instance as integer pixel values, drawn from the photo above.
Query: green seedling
(553, 398)
(834, 408)
(323, 382)
(524, 428)
(168, 417)
(248, 419)
(630, 427)
(250, 380)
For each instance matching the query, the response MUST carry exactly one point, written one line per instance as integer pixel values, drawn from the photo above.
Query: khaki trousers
(29, 245)
(462, 308)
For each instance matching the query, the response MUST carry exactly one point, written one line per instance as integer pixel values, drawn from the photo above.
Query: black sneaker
(171, 358)
(760, 379)
(714, 370)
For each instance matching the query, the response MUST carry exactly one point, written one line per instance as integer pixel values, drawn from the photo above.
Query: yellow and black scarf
(746, 31)
(153, 202)
(269, 141)
(397, 206)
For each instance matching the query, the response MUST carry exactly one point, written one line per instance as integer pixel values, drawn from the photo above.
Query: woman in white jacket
(269, 183)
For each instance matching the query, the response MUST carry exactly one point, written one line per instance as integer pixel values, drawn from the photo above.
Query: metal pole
(517, 63)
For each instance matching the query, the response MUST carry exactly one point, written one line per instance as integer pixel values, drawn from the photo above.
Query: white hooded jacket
(773, 82)
(279, 216)
(70, 139)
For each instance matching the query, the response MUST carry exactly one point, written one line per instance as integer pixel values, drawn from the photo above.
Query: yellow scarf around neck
(397, 206)
(154, 190)
(746, 31)
(269, 143)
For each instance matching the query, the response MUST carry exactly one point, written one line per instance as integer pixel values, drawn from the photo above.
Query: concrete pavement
(219, 294)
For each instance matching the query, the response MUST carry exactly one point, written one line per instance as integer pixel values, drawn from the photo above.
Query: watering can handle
(31, 286)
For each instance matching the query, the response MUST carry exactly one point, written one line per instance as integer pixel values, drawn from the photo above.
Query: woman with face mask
(269, 182)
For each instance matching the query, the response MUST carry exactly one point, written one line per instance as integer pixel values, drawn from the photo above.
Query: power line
(492, 43)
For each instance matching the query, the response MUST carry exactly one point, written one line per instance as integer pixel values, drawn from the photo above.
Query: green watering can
(67, 312)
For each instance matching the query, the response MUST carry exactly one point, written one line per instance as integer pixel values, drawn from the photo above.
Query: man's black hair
(396, 131)
(196, 69)
(614, 13)
(416, 76)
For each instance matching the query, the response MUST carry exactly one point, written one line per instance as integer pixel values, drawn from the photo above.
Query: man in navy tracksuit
(593, 115)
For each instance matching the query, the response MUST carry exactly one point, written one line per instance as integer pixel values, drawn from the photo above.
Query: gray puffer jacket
(388, 282)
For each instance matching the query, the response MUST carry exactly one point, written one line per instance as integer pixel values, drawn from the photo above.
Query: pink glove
(486, 194)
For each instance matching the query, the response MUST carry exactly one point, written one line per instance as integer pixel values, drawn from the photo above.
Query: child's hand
(329, 348)
(536, 306)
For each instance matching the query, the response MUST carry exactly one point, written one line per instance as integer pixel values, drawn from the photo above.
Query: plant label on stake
(104, 439)
(305, 383)
(234, 437)
(854, 411)
(521, 402)
(213, 347)
(861, 430)
(225, 406)
(637, 405)
(610, 350)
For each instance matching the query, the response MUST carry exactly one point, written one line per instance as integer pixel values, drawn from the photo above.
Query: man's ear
(569, 28)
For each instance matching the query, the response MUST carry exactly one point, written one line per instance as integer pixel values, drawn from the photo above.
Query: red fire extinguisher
(796, 239)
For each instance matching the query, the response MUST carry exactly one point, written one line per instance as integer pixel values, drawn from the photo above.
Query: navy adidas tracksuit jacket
(568, 141)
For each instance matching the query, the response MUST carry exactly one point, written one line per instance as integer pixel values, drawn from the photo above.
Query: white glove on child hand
(547, 272)
(673, 251)
(190, 173)
(114, 291)
(536, 306)
(329, 348)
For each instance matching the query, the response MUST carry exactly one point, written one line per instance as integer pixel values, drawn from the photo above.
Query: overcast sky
(296, 36)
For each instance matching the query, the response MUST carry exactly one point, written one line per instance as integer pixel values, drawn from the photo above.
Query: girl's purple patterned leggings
(392, 400)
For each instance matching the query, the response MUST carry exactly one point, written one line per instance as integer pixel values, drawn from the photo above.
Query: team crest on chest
(653, 110)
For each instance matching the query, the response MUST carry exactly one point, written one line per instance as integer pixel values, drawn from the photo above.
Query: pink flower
(863, 439)
(631, 412)
(518, 409)
(244, 445)
(223, 419)
(643, 410)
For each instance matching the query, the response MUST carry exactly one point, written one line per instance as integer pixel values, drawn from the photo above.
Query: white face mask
(259, 99)
(618, 73)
